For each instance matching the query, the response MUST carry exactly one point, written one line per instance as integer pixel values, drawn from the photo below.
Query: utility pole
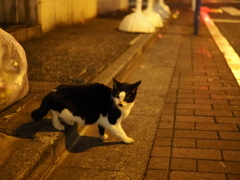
(197, 16)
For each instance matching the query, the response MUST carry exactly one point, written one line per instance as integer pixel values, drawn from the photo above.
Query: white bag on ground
(13, 71)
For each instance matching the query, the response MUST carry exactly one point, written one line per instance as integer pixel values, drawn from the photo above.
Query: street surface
(186, 145)
(229, 25)
(185, 121)
(72, 55)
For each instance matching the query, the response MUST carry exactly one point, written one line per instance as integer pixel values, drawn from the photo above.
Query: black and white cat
(89, 104)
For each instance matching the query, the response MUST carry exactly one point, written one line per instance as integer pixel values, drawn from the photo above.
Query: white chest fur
(125, 110)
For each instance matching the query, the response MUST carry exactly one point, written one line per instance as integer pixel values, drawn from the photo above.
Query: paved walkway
(198, 134)
(190, 98)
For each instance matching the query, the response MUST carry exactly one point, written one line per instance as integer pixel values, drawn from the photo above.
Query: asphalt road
(228, 24)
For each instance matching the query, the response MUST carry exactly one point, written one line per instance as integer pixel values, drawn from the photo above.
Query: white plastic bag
(13, 71)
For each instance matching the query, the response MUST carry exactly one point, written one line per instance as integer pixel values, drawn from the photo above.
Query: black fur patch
(113, 115)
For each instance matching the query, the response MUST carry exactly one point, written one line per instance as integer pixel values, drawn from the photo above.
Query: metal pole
(197, 16)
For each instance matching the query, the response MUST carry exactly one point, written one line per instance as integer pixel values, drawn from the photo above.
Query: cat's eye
(133, 91)
(128, 96)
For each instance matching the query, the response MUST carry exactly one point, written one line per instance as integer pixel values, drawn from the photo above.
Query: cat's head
(124, 93)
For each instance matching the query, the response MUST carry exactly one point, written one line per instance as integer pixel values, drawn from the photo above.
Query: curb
(27, 33)
(34, 158)
(231, 57)
(124, 63)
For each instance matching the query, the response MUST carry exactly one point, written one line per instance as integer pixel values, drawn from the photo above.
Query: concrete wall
(31, 12)
(14, 12)
(64, 12)
(7, 12)
(50, 13)
(105, 6)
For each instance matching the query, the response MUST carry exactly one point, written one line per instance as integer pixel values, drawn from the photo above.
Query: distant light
(206, 18)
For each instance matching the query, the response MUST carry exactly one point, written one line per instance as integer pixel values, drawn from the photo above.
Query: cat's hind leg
(55, 121)
(101, 131)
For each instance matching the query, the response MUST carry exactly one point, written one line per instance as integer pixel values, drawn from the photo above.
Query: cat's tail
(42, 111)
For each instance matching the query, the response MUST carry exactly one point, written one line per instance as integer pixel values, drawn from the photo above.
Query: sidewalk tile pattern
(198, 136)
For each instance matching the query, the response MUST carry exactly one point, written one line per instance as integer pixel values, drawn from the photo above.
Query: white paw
(70, 123)
(60, 127)
(129, 141)
(105, 136)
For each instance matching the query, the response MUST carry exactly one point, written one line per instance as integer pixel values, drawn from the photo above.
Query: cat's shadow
(73, 141)
(76, 143)
(88, 142)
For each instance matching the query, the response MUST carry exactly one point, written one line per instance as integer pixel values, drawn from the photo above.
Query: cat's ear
(115, 83)
(135, 86)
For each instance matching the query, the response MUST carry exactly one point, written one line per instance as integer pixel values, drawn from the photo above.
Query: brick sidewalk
(198, 136)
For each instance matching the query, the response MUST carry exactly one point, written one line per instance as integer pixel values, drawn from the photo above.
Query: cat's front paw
(103, 137)
(60, 127)
(70, 123)
(129, 141)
